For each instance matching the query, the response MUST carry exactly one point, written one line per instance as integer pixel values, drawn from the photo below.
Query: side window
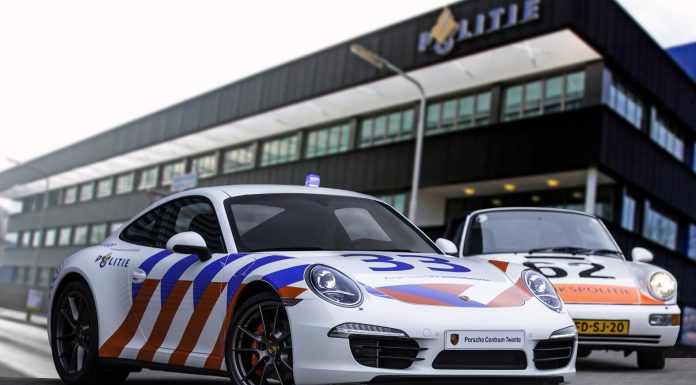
(194, 214)
(145, 230)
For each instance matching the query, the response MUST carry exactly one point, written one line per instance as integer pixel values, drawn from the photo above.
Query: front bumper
(641, 335)
(319, 359)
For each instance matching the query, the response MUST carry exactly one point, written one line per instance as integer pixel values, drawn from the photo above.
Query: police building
(529, 103)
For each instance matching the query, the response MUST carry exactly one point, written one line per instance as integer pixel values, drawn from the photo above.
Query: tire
(651, 360)
(258, 349)
(75, 339)
(584, 352)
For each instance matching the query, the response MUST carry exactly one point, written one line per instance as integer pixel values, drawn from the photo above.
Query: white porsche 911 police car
(616, 304)
(283, 285)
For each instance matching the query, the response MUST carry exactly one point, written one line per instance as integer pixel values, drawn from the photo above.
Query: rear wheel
(75, 339)
(651, 360)
(259, 346)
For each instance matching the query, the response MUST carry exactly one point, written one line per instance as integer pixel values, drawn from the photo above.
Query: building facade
(557, 103)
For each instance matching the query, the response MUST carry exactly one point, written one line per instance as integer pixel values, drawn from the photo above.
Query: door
(188, 288)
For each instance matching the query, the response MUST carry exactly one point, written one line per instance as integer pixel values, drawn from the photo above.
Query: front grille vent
(387, 353)
(481, 360)
(553, 354)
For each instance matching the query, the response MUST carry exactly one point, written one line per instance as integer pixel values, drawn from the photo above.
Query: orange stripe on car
(290, 291)
(113, 347)
(499, 264)
(164, 321)
(602, 294)
(196, 323)
(216, 357)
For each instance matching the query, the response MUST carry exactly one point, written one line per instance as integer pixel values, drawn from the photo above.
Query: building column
(591, 191)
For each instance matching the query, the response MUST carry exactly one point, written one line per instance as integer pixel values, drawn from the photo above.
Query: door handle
(138, 276)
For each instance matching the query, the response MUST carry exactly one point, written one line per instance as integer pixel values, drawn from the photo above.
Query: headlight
(662, 285)
(334, 286)
(542, 288)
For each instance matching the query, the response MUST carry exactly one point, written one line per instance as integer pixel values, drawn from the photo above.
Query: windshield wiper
(605, 252)
(299, 248)
(561, 249)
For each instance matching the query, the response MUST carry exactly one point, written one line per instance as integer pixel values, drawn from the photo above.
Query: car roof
(550, 209)
(252, 189)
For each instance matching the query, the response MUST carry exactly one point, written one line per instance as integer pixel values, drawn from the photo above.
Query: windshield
(269, 222)
(528, 231)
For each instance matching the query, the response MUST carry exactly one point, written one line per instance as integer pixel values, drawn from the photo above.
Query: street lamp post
(382, 63)
(42, 219)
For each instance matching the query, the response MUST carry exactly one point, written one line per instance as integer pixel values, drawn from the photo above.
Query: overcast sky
(72, 69)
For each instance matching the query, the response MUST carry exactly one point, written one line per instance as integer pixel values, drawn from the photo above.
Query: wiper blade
(561, 249)
(605, 251)
(300, 248)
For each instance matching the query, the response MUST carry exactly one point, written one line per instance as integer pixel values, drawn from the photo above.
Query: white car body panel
(599, 287)
(180, 314)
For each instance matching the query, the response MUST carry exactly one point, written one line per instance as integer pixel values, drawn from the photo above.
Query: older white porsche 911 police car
(283, 285)
(616, 304)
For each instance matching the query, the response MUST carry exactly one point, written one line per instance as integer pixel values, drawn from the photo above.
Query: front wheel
(75, 339)
(651, 360)
(259, 347)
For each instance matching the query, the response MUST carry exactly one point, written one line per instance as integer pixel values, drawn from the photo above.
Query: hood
(423, 279)
(585, 279)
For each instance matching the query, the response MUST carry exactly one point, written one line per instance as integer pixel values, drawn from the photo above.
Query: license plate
(481, 339)
(601, 327)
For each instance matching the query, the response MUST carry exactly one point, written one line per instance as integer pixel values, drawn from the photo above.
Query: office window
(330, 140)
(667, 136)
(628, 212)
(205, 166)
(387, 128)
(458, 113)
(70, 195)
(173, 170)
(691, 248)
(397, 201)
(21, 274)
(104, 187)
(50, 238)
(98, 233)
(11, 240)
(80, 236)
(64, 236)
(44, 276)
(543, 96)
(626, 103)
(36, 239)
(659, 228)
(86, 192)
(238, 159)
(26, 239)
(148, 178)
(280, 150)
(124, 183)
(6, 274)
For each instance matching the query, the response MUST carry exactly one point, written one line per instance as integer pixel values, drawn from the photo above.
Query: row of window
(78, 235)
(535, 97)
(542, 96)
(657, 226)
(627, 104)
(26, 275)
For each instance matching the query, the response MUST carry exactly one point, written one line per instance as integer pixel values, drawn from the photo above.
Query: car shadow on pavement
(601, 364)
(136, 381)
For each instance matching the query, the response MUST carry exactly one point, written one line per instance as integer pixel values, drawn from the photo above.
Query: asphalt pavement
(25, 359)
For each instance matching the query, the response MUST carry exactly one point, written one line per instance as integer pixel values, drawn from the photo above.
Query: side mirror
(189, 242)
(640, 254)
(447, 246)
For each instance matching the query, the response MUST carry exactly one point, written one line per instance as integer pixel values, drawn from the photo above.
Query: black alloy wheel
(75, 339)
(259, 346)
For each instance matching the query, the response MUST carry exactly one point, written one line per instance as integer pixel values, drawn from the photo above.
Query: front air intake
(386, 353)
(553, 353)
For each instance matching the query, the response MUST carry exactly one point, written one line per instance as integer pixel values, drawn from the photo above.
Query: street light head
(367, 55)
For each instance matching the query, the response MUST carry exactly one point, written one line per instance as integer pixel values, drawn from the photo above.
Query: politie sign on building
(448, 31)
